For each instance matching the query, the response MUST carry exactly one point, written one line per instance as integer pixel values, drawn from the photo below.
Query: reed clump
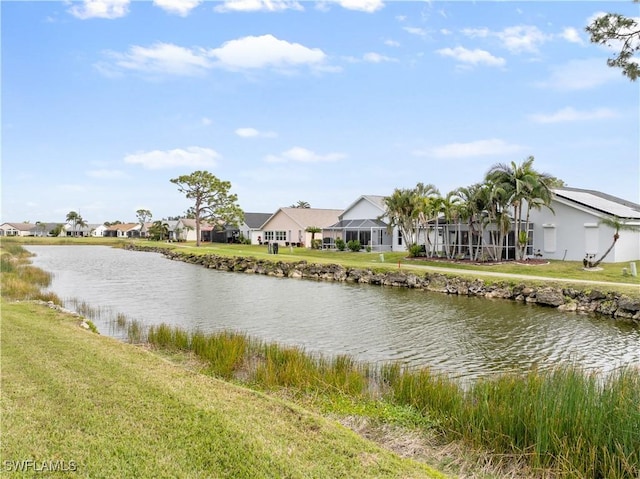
(571, 422)
(20, 280)
(576, 423)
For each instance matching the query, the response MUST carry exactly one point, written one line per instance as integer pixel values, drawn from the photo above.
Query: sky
(104, 101)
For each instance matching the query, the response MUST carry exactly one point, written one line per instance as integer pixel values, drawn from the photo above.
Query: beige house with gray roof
(287, 225)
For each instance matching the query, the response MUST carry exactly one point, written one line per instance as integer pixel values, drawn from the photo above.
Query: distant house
(573, 229)
(98, 230)
(251, 228)
(17, 229)
(287, 225)
(123, 230)
(77, 230)
(361, 221)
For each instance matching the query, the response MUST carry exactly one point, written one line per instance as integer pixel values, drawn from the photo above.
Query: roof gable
(256, 220)
(20, 226)
(305, 217)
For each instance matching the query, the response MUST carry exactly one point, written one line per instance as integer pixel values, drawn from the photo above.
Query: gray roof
(256, 220)
(358, 224)
(600, 202)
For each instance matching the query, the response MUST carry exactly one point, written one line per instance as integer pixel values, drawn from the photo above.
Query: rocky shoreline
(611, 304)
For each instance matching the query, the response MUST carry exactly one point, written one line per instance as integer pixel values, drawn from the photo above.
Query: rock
(549, 297)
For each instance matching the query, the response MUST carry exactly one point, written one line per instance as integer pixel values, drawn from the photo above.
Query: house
(574, 229)
(251, 228)
(123, 230)
(17, 229)
(99, 230)
(362, 221)
(287, 225)
(79, 230)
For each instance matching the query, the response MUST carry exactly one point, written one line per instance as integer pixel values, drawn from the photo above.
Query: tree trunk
(597, 262)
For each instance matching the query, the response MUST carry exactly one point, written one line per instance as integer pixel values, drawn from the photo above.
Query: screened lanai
(372, 233)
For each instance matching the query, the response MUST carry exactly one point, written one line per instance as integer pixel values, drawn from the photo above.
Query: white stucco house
(574, 229)
(361, 221)
(17, 229)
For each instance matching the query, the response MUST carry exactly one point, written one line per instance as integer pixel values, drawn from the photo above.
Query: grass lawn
(117, 410)
(564, 270)
(568, 273)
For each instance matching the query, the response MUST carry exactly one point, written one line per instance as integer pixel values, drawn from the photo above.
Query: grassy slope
(120, 411)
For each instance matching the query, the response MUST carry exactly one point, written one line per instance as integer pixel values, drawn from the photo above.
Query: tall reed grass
(20, 280)
(574, 423)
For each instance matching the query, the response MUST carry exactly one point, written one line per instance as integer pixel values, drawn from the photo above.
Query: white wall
(578, 231)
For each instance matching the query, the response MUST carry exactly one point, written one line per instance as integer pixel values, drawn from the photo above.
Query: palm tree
(76, 220)
(72, 217)
(40, 227)
(450, 209)
(618, 225)
(313, 230)
(301, 204)
(524, 186)
(159, 231)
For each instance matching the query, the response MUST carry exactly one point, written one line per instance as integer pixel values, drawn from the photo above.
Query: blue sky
(104, 101)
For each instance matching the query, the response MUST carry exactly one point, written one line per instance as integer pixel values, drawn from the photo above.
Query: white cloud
(192, 156)
(258, 5)
(473, 57)
(373, 57)
(580, 75)
(105, 174)
(445, 31)
(250, 52)
(178, 7)
(516, 39)
(368, 6)
(160, 58)
(491, 147)
(572, 35)
(253, 133)
(391, 43)
(571, 114)
(302, 155)
(476, 32)
(265, 51)
(206, 121)
(523, 38)
(415, 31)
(109, 9)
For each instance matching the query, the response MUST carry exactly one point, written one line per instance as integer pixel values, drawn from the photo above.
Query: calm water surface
(464, 337)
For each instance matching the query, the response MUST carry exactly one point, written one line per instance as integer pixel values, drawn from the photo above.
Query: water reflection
(464, 337)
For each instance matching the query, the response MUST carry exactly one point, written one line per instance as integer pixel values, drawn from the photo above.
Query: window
(268, 235)
(399, 238)
(549, 238)
(591, 238)
(281, 235)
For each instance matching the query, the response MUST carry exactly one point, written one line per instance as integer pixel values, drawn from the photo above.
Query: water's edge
(591, 301)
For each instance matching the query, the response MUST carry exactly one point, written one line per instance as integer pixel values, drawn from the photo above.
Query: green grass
(119, 411)
(566, 271)
(569, 421)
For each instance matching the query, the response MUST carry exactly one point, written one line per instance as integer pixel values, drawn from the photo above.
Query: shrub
(340, 244)
(354, 245)
(414, 250)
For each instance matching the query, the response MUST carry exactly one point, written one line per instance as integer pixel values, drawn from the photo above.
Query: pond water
(461, 336)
